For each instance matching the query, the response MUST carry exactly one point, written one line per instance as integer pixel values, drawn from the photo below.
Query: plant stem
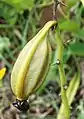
(72, 88)
(59, 57)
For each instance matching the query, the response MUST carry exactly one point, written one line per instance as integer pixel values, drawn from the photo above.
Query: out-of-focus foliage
(69, 25)
(20, 4)
(70, 3)
(4, 44)
(8, 13)
(80, 108)
(21, 21)
(77, 48)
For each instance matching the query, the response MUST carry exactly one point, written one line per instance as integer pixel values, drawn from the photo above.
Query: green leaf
(77, 49)
(71, 3)
(8, 13)
(80, 33)
(4, 43)
(81, 116)
(21, 4)
(69, 25)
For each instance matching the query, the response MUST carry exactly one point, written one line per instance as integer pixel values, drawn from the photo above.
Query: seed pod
(32, 64)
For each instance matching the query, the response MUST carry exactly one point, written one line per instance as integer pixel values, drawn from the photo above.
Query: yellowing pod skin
(32, 64)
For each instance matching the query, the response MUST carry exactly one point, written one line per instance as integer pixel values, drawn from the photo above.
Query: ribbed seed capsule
(32, 64)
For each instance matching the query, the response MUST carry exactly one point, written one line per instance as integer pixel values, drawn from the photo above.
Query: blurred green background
(20, 20)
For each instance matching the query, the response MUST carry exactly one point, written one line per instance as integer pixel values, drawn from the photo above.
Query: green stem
(59, 57)
(72, 89)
